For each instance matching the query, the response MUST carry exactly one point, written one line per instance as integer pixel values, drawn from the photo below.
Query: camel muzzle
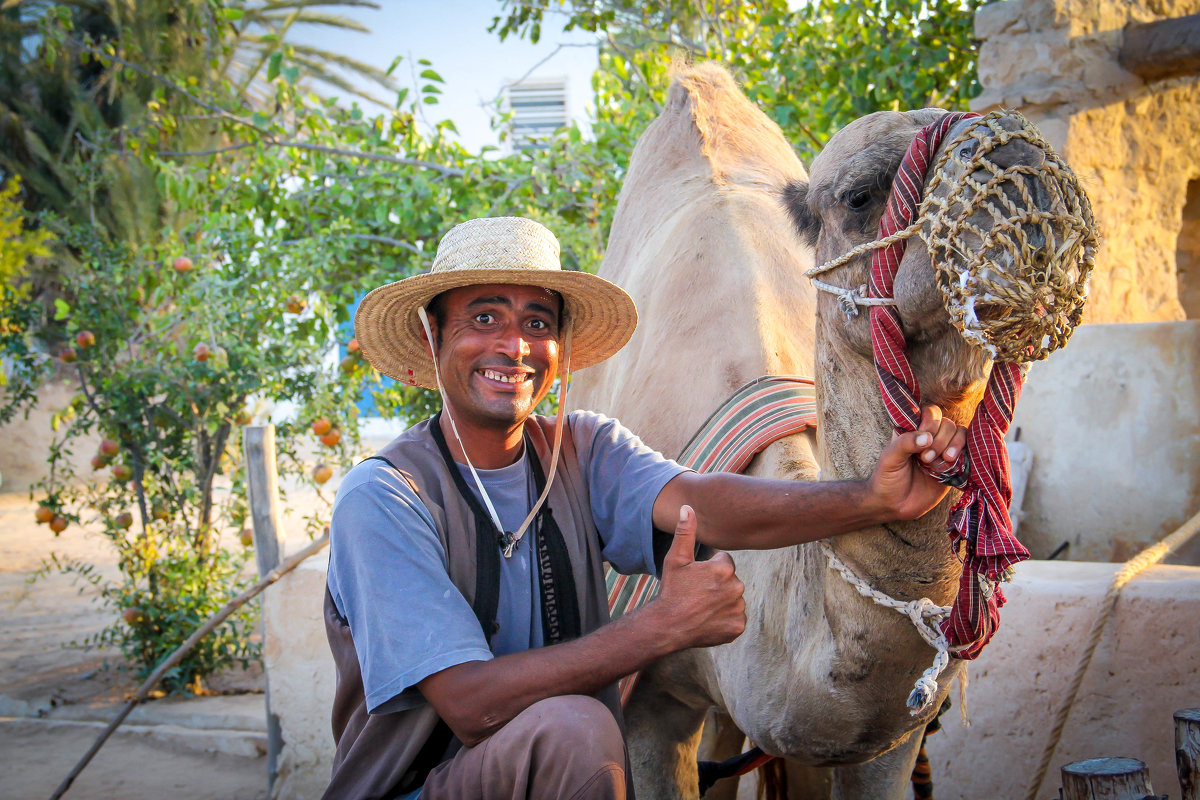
(1011, 235)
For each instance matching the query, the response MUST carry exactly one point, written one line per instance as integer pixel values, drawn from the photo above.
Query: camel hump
(742, 144)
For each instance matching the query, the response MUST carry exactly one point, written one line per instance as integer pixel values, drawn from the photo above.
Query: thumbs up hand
(701, 600)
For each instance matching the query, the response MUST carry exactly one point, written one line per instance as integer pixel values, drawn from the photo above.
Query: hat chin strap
(558, 427)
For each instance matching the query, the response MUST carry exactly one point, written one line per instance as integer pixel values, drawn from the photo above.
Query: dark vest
(376, 753)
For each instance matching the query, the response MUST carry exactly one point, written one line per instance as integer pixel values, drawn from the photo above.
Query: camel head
(1020, 214)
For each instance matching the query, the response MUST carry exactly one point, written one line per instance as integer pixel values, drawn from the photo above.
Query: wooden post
(262, 490)
(1187, 752)
(1106, 779)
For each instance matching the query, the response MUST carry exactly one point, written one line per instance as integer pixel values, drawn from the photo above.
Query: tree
(812, 69)
(75, 74)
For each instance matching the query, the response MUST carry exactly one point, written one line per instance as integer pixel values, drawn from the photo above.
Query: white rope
(866, 247)
(923, 613)
(850, 299)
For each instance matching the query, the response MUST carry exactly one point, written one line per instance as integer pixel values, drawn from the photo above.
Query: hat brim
(601, 315)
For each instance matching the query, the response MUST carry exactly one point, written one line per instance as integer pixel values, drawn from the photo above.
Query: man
(466, 604)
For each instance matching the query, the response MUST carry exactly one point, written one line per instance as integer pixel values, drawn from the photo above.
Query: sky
(475, 64)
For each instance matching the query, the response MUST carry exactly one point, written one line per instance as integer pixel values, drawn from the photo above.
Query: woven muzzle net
(1013, 245)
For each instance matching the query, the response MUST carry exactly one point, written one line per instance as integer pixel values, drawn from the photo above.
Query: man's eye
(538, 325)
(484, 319)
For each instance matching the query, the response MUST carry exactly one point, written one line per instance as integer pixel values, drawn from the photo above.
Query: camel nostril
(1017, 152)
(968, 149)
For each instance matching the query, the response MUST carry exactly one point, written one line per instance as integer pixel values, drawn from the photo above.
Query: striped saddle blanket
(761, 412)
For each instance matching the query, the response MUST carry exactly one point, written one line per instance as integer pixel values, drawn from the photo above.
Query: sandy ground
(54, 699)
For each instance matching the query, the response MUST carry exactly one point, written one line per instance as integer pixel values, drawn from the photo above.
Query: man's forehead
(517, 295)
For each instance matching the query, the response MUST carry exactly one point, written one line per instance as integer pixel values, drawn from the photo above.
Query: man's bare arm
(699, 604)
(742, 513)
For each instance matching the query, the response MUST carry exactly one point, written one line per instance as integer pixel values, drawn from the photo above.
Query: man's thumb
(683, 546)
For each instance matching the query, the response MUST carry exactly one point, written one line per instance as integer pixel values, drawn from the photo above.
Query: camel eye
(857, 200)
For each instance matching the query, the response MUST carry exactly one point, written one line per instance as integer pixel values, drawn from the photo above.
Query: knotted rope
(925, 615)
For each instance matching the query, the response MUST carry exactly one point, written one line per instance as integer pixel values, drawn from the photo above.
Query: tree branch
(209, 152)
(367, 237)
(268, 139)
(633, 67)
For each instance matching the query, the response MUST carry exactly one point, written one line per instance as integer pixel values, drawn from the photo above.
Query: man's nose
(512, 343)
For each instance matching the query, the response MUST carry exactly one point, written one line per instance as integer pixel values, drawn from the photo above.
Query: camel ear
(795, 200)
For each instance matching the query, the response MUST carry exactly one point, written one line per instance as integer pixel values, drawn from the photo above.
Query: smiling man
(466, 605)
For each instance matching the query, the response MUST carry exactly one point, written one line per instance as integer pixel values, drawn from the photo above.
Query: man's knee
(576, 745)
(574, 721)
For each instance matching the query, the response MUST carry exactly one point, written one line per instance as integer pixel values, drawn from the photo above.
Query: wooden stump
(1187, 752)
(1106, 779)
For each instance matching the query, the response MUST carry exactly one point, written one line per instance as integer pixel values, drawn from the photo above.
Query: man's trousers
(561, 748)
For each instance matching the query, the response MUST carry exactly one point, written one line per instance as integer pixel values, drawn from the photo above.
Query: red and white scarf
(979, 520)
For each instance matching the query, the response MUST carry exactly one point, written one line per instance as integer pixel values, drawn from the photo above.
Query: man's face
(497, 350)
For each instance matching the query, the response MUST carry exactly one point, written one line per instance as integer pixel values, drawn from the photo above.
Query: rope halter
(1013, 244)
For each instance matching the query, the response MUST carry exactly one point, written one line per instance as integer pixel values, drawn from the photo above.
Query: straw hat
(491, 250)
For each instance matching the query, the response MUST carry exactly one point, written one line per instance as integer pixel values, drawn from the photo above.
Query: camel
(705, 240)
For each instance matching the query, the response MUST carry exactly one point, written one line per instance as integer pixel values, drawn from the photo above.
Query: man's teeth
(496, 376)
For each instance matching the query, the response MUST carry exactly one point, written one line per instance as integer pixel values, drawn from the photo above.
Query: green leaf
(430, 75)
(291, 74)
(273, 66)
(395, 63)
(61, 309)
(233, 14)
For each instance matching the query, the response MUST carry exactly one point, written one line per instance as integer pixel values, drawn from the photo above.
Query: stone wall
(1142, 672)
(1113, 421)
(1135, 145)
(302, 678)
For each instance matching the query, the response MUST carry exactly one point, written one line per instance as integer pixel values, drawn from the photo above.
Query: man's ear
(432, 317)
(795, 200)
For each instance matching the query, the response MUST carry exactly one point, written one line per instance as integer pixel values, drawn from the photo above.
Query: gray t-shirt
(388, 570)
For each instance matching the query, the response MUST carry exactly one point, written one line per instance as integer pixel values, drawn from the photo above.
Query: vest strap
(560, 604)
(487, 554)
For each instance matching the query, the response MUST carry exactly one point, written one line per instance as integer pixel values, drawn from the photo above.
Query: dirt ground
(54, 700)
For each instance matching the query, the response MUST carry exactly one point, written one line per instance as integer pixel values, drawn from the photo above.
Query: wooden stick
(1187, 752)
(1106, 779)
(172, 660)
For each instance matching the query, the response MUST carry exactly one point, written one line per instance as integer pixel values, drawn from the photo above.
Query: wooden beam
(1166, 48)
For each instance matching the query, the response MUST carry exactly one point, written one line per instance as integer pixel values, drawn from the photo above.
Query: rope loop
(850, 299)
(923, 613)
